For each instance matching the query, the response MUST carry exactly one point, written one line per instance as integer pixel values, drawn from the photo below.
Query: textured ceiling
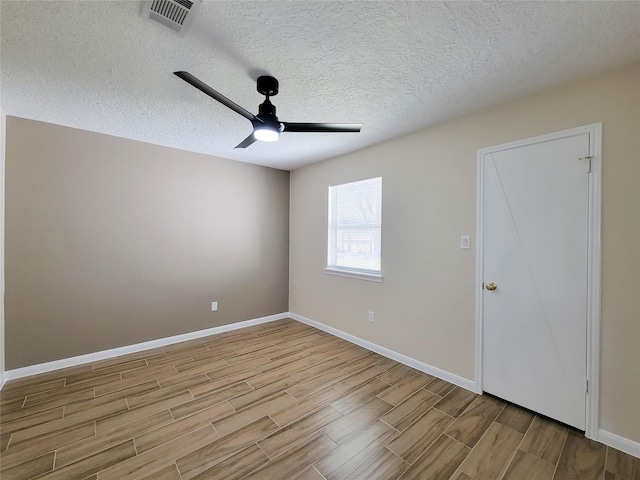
(394, 66)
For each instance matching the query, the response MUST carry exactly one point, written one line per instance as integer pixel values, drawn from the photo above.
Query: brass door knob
(491, 286)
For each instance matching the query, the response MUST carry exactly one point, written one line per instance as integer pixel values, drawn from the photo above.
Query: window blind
(355, 221)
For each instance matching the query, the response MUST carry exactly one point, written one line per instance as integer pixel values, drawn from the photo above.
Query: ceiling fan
(266, 126)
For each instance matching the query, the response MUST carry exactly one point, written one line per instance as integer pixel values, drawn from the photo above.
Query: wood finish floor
(279, 401)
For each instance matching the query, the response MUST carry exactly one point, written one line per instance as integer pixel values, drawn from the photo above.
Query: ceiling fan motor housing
(267, 111)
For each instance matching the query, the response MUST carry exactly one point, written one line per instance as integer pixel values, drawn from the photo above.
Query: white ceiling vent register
(174, 14)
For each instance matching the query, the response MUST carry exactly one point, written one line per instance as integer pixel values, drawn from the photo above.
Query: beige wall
(111, 242)
(2, 152)
(425, 306)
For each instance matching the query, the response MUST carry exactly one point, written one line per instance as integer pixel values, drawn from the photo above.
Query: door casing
(593, 258)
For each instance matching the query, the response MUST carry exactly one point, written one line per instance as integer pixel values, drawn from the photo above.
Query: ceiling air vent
(174, 14)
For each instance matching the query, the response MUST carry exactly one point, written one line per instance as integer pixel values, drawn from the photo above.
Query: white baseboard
(3, 379)
(398, 357)
(619, 443)
(138, 347)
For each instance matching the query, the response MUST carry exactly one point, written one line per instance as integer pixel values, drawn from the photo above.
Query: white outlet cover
(465, 241)
(214, 306)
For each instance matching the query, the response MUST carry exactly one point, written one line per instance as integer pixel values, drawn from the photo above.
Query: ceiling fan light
(266, 134)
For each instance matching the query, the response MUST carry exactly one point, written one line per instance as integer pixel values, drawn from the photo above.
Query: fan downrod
(267, 86)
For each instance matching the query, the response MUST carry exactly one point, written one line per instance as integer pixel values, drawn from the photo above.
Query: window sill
(371, 277)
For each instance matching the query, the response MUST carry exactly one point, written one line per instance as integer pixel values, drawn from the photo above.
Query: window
(355, 221)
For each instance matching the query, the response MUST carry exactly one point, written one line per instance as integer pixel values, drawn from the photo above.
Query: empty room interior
(320, 240)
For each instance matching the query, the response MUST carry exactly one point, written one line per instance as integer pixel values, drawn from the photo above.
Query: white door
(535, 209)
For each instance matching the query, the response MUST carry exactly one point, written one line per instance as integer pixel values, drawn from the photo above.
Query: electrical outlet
(370, 317)
(214, 306)
(465, 241)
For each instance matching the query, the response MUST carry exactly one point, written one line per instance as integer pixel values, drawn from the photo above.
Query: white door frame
(593, 258)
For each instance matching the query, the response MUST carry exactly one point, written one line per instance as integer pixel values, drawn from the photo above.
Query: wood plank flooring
(278, 401)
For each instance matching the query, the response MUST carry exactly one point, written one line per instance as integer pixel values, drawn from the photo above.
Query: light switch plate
(465, 240)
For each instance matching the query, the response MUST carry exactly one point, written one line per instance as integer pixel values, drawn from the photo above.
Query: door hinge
(586, 385)
(589, 158)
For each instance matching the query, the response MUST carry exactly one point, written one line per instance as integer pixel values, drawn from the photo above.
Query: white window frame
(332, 268)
